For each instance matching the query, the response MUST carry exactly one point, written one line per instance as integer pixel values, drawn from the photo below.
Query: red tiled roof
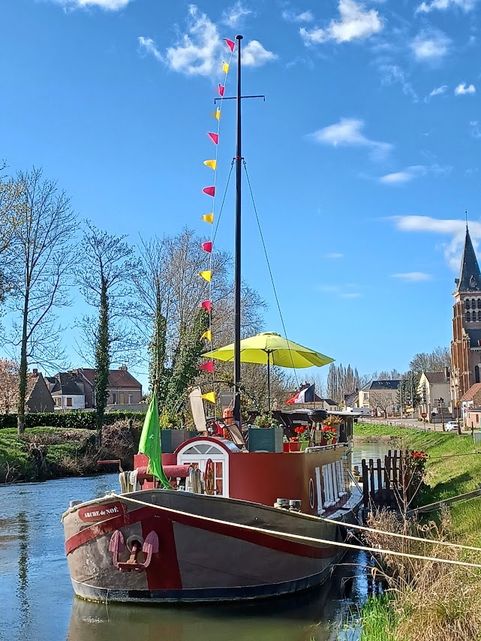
(473, 391)
(117, 378)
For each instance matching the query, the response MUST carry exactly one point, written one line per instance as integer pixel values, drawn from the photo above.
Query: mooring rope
(298, 537)
(398, 535)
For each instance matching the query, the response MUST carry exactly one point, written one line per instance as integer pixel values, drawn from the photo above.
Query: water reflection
(311, 616)
(23, 536)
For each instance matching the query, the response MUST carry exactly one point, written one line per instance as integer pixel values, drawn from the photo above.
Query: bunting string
(210, 217)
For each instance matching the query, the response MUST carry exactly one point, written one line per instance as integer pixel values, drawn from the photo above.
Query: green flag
(150, 442)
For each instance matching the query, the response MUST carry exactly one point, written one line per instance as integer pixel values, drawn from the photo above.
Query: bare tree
(105, 277)
(434, 361)
(170, 294)
(42, 260)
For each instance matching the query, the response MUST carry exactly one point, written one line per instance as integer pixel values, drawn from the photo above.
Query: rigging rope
(269, 267)
(298, 537)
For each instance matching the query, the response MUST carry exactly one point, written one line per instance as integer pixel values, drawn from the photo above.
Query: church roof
(473, 391)
(470, 278)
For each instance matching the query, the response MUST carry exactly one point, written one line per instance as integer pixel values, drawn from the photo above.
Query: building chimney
(35, 372)
(123, 368)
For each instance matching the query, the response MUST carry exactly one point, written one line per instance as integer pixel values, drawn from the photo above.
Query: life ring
(209, 477)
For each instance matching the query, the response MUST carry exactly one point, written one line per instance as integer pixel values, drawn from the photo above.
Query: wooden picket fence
(388, 482)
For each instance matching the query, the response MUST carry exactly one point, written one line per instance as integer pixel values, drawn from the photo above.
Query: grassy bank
(444, 604)
(51, 452)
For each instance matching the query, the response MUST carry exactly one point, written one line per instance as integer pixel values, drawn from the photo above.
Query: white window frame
(188, 455)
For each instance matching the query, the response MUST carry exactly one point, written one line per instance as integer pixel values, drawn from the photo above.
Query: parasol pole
(269, 382)
(238, 232)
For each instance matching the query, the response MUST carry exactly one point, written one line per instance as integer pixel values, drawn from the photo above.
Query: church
(466, 342)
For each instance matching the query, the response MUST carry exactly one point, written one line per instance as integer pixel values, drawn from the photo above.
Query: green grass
(453, 467)
(61, 449)
(377, 620)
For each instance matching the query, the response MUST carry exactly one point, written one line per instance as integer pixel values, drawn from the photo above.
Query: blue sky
(363, 157)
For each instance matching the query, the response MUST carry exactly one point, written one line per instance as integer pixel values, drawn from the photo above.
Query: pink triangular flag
(207, 305)
(209, 366)
(214, 137)
(230, 43)
(209, 191)
(221, 89)
(207, 246)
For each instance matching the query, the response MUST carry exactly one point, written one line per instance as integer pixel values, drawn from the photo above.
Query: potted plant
(265, 435)
(329, 435)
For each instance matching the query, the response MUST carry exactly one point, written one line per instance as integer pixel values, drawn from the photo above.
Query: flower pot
(285, 447)
(265, 439)
(294, 447)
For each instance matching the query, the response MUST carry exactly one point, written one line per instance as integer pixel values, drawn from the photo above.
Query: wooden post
(372, 488)
(365, 483)
(380, 493)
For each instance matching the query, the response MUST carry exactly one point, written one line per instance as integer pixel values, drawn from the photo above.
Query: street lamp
(441, 403)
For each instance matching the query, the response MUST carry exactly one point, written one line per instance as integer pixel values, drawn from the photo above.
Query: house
(472, 418)
(38, 395)
(470, 400)
(123, 388)
(76, 389)
(380, 397)
(434, 390)
(37, 398)
(68, 391)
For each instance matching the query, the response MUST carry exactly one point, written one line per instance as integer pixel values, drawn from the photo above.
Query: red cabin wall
(264, 477)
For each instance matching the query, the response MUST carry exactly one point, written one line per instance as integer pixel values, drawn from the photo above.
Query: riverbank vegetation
(43, 453)
(425, 600)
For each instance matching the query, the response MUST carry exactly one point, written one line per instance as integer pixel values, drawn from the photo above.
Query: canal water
(37, 602)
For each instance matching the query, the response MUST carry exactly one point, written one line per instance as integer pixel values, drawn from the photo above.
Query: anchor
(117, 546)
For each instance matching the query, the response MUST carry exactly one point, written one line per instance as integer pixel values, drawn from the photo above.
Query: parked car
(451, 426)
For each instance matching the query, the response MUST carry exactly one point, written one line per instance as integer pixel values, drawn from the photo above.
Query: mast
(238, 244)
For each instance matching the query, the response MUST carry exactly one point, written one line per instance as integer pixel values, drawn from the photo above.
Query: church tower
(466, 343)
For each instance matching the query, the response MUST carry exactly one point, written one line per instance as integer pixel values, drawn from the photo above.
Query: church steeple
(470, 278)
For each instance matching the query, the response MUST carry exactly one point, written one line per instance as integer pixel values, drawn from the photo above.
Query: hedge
(70, 419)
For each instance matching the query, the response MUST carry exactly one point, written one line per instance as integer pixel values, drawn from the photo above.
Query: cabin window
(331, 484)
(197, 454)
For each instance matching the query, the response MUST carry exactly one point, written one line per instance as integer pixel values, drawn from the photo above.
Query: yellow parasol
(269, 348)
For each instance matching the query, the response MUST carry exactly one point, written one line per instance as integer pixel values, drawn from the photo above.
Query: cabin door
(197, 454)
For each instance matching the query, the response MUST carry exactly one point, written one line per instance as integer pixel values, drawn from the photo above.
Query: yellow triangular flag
(208, 218)
(209, 396)
(217, 114)
(206, 275)
(225, 67)
(207, 335)
(211, 163)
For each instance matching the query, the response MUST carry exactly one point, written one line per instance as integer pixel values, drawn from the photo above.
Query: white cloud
(333, 255)
(464, 5)
(404, 176)
(462, 89)
(356, 23)
(414, 171)
(348, 133)
(412, 277)
(455, 229)
(232, 16)
(200, 50)
(292, 16)
(148, 46)
(438, 91)
(475, 129)
(430, 45)
(255, 55)
(393, 74)
(109, 5)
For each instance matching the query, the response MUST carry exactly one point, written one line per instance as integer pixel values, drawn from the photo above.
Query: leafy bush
(76, 419)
